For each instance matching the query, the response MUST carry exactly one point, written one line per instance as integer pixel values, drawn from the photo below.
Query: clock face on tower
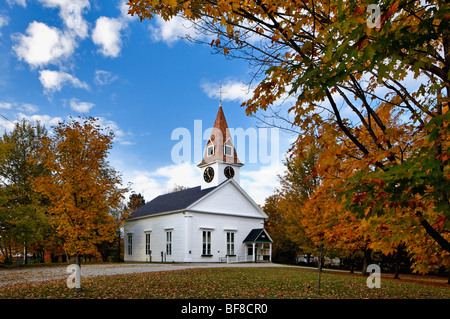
(229, 172)
(208, 174)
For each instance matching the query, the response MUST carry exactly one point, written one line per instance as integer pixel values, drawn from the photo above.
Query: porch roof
(258, 235)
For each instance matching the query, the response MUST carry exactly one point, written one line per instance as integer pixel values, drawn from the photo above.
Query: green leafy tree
(135, 201)
(23, 219)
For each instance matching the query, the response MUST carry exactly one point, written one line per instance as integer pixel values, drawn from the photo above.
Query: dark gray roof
(258, 235)
(172, 201)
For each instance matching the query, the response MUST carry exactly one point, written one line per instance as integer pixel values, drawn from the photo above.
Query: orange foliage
(80, 185)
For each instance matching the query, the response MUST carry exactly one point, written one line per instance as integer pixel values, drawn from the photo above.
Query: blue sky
(62, 58)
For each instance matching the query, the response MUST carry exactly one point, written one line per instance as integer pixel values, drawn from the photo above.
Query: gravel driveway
(36, 274)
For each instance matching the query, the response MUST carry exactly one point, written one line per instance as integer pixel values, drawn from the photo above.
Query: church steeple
(220, 155)
(219, 139)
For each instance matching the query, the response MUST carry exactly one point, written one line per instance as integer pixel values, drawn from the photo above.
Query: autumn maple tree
(80, 184)
(312, 212)
(285, 248)
(371, 87)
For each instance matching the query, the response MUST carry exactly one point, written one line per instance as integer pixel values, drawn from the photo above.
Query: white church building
(214, 222)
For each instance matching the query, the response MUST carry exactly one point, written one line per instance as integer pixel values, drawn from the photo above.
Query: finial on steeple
(220, 96)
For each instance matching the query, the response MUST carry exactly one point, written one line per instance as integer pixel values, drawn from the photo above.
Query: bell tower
(220, 161)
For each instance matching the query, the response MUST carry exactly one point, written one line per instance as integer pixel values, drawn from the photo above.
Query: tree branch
(347, 132)
(433, 233)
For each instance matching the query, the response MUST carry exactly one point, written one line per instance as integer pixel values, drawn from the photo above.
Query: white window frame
(148, 243)
(206, 243)
(130, 244)
(211, 147)
(225, 150)
(230, 243)
(169, 243)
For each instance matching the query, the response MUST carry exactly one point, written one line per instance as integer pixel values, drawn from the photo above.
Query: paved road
(37, 274)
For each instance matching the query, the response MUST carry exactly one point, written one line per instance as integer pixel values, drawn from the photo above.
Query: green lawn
(225, 283)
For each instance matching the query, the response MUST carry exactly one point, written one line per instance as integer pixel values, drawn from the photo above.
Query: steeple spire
(220, 162)
(220, 144)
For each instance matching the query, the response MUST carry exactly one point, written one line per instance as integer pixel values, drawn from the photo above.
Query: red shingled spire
(220, 136)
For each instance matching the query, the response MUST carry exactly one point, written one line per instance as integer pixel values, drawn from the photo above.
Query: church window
(230, 243)
(147, 244)
(206, 251)
(228, 150)
(130, 244)
(169, 243)
(211, 150)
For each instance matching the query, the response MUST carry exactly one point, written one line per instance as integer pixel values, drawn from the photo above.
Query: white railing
(240, 259)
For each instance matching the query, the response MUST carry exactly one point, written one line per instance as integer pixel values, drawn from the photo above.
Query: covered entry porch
(258, 246)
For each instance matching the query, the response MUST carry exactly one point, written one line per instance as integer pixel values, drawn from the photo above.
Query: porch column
(254, 259)
(270, 252)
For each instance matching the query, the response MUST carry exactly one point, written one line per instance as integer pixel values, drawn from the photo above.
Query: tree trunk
(397, 266)
(308, 259)
(10, 254)
(320, 267)
(118, 245)
(25, 254)
(398, 260)
(367, 260)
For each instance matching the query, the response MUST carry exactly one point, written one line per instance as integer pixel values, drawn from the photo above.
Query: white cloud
(104, 77)
(261, 183)
(6, 125)
(5, 105)
(29, 108)
(81, 107)
(106, 34)
(71, 12)
(43, 45)
(175, 29)
(4, 20)
(123, 7)
(22, 3)
(142, 183)
(53, 81)
(25, 107)
(157, 182)
(185, 174)
(258, 183)
(237, 91)
(121, 136)
(172, 30)
(107, 31)
(232, 90)
(46, 120)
